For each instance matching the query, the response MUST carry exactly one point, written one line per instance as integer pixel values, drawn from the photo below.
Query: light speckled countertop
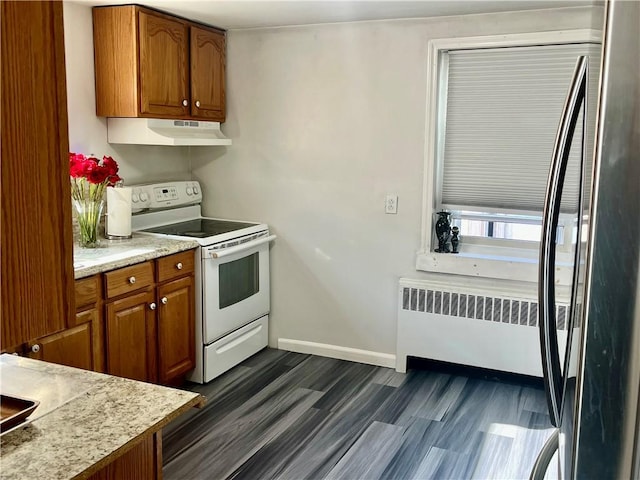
(112, 254)
(85, 419)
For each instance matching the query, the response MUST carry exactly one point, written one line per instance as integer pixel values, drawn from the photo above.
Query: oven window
(238, 280)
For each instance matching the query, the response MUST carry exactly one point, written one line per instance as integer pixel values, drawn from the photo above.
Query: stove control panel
(164, 194)
(155, 196)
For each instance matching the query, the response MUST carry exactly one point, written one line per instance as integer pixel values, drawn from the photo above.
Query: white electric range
(231, 276)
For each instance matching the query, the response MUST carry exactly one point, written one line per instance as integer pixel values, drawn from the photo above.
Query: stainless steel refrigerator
(593, 395)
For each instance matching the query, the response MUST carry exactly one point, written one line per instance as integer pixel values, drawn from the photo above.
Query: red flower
(113, 179)
(97, 176)
(93, 170)
(111, 165)
(76, 164)
(90, 170)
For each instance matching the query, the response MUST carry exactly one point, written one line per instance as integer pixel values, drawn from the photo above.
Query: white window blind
(503, 106)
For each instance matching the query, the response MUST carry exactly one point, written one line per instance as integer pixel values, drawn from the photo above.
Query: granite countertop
(112, 254)
(85, 419)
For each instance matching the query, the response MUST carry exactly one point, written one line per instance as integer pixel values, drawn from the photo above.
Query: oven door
(235, 287)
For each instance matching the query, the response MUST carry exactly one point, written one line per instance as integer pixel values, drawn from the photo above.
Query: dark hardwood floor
(292, 416)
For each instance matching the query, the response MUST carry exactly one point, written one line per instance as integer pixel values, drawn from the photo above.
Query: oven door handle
(240, 248)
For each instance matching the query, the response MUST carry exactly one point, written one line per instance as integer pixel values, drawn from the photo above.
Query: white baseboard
(335, 351)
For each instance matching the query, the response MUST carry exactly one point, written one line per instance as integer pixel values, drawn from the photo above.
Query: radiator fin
(479, 307)
(488, 308)
(454, 304)
(462, 312)
(421, 300)
(437, 302)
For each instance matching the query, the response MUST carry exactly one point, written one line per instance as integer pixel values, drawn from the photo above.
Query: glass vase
(88, 212)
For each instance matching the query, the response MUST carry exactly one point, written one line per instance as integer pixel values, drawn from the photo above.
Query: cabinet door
(176, 329)
(164, 66)
(37, 240)
(93, 317)
(72, 347)
(131, 337)
(207, 74)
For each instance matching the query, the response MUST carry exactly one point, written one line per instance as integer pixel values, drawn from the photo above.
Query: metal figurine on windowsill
(455, 241)
(445, 233)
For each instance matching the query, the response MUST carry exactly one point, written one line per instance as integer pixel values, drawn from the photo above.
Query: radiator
(465, 326)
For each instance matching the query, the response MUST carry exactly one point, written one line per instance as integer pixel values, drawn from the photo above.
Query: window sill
(523, 268)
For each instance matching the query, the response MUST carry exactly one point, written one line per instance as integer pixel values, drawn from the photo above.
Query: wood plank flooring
(283, 415)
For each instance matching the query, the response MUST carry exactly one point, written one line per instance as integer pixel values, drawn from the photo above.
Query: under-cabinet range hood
(152, 131)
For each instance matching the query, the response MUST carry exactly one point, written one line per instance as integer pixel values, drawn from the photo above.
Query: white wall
(88, 133)
(325, 121)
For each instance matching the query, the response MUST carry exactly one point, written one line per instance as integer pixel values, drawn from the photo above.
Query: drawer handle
(35, 348)
(185, 102)
(238, 340)
(132, 280)
(164, 300)
(198, 103)
(152, 306)
(179, 265)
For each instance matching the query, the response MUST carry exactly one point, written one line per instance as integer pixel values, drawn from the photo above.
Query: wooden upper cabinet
(36, 233)
(208, 74)
(164, 65)
(149, 64)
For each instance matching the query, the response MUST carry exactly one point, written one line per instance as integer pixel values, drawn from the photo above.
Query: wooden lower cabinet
(144, 461)
(93, 316)
(131, 336)
(79, 346)
(176, 325)
(143, 330)
(70, 347)
(150, 332)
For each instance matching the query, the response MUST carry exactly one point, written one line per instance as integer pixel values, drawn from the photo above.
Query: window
(527, 228)
(494, 108)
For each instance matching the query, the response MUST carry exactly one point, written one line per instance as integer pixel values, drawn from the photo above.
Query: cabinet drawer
(175, 266)
(232, 349)
(87, 291)
(85, 317)
(128, 279)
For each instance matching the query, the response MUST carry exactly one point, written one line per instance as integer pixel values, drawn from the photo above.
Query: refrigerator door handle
(545, 456)
(546, 267)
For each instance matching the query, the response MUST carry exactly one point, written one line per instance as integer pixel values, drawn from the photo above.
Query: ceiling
(237, 14)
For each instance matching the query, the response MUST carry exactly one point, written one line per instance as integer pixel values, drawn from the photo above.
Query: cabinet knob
(179, 265)
(164, 300)
(35, 348)
(185, 102)
(132, 280)
(152, 306)
(198, 103)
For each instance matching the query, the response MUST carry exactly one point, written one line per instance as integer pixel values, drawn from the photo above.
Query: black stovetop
(200, 228)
